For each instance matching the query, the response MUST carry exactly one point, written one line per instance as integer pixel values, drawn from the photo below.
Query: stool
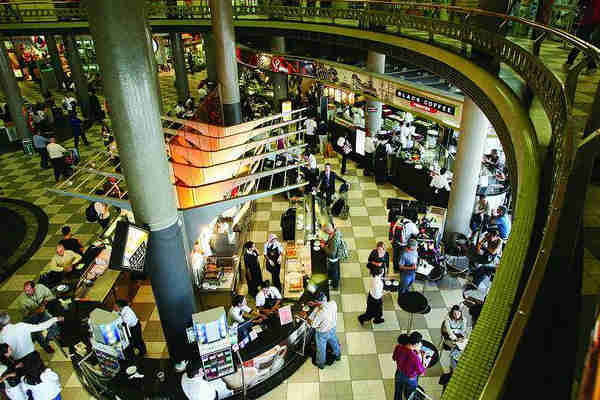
(413, 303)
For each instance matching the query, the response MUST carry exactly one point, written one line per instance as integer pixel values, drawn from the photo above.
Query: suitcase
(338, 207)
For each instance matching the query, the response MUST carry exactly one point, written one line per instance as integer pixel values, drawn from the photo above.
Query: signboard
(360, 142)
(286, 110)
(371, 109)
(129, 248)
(425, 104)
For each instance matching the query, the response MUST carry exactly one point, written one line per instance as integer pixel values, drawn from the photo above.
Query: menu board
(130, 245)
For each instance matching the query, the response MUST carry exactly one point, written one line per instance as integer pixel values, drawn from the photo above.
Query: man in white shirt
(324, 322)
(439, 181)
(57, 157)
(18, 336)
(134, 327)
(311, 172)
(269, 298)
(310, 125)
(410, 230)
(405, 138)
(240, 312)
(374, 299)
(193, 384)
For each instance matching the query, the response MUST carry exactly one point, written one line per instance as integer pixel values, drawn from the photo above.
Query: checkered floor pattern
(366, 370)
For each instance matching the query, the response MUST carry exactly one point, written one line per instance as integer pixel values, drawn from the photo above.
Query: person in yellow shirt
(63, 260)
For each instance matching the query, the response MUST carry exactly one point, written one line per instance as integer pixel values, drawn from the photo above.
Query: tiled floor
(366, 370)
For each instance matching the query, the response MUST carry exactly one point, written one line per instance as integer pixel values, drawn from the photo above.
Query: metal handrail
(555, 96)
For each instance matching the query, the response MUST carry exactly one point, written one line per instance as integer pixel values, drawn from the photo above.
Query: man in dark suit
(327, 183)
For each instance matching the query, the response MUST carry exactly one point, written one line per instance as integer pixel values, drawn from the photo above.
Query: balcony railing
(463, 31)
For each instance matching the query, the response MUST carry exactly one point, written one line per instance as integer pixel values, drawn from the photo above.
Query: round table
(413, 303)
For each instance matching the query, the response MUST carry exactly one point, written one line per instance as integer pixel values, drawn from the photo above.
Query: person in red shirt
(408, 364)
(587, 26)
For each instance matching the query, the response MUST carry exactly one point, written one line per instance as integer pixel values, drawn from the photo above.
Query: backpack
(90, 213)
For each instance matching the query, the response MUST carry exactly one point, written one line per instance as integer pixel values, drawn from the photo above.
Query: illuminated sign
(426, 104)
(129, 248)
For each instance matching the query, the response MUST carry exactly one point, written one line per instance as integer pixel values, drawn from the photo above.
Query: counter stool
(413, 303)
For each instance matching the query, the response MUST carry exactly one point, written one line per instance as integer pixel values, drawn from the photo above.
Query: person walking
(253, 272)
(134, 326)
(77, 129)
(311, 125)
(408, 366)
(331, 248)
(325, 322)
(18, 336)
(408, 266)
(374, 299)
(40, 143)
(57, 158)
(587, 26)
(379, 258)
(273, 253)
(327, 183)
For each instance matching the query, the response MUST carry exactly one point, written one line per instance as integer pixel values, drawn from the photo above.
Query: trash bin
(28, 147)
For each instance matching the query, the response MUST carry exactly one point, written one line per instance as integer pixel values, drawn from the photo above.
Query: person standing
(374, 299)
(273, 253)
(331, 248)
(311, 172)
(345, 148)
(33, 303)
(40, 143)
(408, 266)
(57, 158)
(325, 322)
(481, 214)
(379, 258)
(253, 272)
(134, 326)
(587, 26)
(369, 159)
(18, 336)
(327, 183)
(408, 366)
(76, 127)
(310, 125)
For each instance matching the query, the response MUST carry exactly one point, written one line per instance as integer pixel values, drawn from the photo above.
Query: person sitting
(63, 261)
(69, 242)
(240, 312)
(195, 387)
(179, 109)
(488, 251)
(268, 299)
(481, 214)
(34, 302)
(43, 383)
(379, 258)
(454, 329)
(502, 222)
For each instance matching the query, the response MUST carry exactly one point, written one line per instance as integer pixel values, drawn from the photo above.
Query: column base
(167, 268)
(232, 114)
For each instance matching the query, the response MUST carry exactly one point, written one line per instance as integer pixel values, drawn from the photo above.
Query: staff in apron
(273, 252)
(268, 299)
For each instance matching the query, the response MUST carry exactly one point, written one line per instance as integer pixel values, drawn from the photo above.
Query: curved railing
(462, 30)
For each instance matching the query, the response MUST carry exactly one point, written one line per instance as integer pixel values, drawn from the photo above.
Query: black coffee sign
(425, 103)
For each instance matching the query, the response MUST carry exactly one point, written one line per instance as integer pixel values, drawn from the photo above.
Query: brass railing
(462, 30)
